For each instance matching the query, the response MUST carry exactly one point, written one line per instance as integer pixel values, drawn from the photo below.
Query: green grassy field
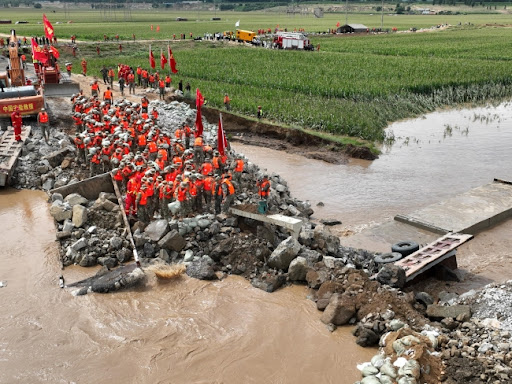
(354, 86)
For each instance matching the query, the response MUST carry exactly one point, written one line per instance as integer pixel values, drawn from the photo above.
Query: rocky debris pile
(45, 166)
(492, 301)
(406, 357)
(90, 232)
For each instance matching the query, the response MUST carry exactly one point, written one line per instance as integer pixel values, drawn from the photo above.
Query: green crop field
(355, 85)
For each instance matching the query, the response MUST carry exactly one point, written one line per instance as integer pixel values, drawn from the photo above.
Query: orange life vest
(231, 189)
(239, 166)
(43, 117)
(198, 142)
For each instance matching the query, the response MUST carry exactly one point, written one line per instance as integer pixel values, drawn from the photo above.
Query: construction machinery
(15, 89)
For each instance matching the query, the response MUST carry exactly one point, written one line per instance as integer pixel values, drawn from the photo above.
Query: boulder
(316, 278)
(48, 184)
(173, 241)
(325, 292)
(440, 312)
(79, 244)
(116, 242)
(340, 310)
(366, 337)
(55, 158)
(88, 261)
(124, 255)
(74, 198)
(298, 269)
(60, 211)
(326, 240)
(157, 229)
(285, 252)
(79, 215)
(392, 275)
(270, 283)
(68, 226)
(202, 269)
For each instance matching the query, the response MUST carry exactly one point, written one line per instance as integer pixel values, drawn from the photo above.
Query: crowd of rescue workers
(154, 168)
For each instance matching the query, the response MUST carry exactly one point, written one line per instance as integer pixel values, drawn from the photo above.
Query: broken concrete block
(441, 311)
(79, 215)
(285, 252)
(173, 241)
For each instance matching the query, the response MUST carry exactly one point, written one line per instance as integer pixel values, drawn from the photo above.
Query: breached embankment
(213, 246)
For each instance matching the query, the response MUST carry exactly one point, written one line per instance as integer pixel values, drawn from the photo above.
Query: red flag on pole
(152, 62)
(54, 52)
(48, 28)
(222, 142)
(199, 98)
(38, 53)
(338, 24)
(199, 123)
(172, 62)
(163, 60)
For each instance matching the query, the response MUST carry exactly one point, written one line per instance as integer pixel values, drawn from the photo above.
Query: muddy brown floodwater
(184, 331)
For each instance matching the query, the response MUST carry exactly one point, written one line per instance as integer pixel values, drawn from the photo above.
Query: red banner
(222, 142)
(48, 28)
(54, 52)
(172, 62)
(199, 118)
(152, 61)
(163, 60)
(199, 98)
(38, 52)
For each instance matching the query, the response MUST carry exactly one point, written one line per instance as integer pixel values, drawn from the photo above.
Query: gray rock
(116, 242)
(333, 262)
(173, 241)
(326, 240)
(203, 223)
(440, 311)
(157, 229)
(202, 269)
(60, 211)
(124, 255)
(270, 283)
(392, 275)
(330, 222)
(149, 250)
(164, 255)
(447, 298)
(366, 337)
(88, 261)
(55, 158)
(485, 347)
(424, 298)
(56, 196)
(79, 215)
(48, 184)
(285, 252)
(396, 324)
(108, 262)
(74, 199)
(68, 226)
(298, 269)
(340, 310)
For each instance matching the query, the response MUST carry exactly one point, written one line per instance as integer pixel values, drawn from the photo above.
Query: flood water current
(184, 331)
(190, 331)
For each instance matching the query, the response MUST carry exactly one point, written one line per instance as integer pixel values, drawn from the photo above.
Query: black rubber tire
(387, 258)
(405, 248)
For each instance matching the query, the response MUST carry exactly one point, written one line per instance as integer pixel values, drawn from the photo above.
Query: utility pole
(382, 17)
(346, 12)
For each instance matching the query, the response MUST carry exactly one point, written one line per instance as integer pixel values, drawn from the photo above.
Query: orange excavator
(15, 89)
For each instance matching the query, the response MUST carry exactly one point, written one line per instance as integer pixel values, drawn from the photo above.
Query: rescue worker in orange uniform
(198, 150)
(84, 67)
(80, 148)
(95, 162)
(263, 187)
(239, 169)
(182, 195)
(108, 96)
(208, 185)
(44, 123)
(229, 192)
(144, 102)
(227, 102)
(132, 189)
(165, 195)
(69, 67)
(142, 204)
(16, 123)
(95, 88)
(161, 88)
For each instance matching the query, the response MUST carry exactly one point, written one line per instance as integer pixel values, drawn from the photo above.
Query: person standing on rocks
(229, 192)
(161, 88)
(239, 169)
(95, 155)
(180, 86)
(80, 148)
(263, 187)
(187, 90)
(142, 204)
(95, 88)
(121, 85)
(44, 124)
(208, 185)
(182, 195)
(16, 122)
(218, 194)
(108, 97)
(131, 83)
(165, 195)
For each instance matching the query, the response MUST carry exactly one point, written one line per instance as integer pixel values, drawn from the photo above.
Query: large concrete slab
(379, 238)
(88, 188)
(470, 212)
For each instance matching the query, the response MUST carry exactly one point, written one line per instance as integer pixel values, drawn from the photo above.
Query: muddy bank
(268, 135)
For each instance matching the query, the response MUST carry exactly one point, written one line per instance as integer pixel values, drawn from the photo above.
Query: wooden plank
(431, 254)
